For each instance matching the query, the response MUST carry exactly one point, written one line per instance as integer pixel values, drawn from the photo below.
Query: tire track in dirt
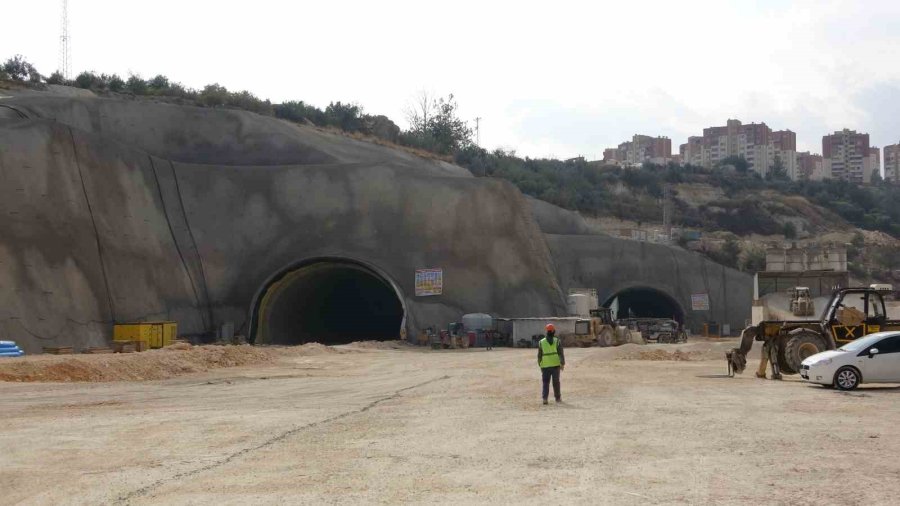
(143, 491)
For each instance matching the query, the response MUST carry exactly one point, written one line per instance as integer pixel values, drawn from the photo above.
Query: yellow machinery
(152, 334)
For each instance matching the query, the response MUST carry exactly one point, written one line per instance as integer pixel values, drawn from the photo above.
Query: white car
(874, 358)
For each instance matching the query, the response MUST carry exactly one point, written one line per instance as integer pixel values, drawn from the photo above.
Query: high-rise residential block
(847, 156)
(809, 167)
(640, 149)
(874, 161)
(892, 163)
(763, 149)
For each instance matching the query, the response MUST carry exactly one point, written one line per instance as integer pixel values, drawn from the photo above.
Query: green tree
(214, 95)
(56, 78)
(347, 117)
(739, 163)
(88, 80)
(159, 83)
(436, 126)
(299, 112)
(19, 69)
(136, 85)
(115, 83)
(779, 172)
(789, 230)
(754, 260)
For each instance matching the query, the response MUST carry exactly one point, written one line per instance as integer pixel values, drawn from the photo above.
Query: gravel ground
(461, 426)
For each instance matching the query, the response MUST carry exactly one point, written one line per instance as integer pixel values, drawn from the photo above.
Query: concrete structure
(810, 167)
(653, 279)
(892, 163)
(810, 258)
(847, 156)
(120, 211)
(755, 142)
(524, 332)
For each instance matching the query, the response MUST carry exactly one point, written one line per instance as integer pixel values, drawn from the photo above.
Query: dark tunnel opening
(329, 303)
(644, 303)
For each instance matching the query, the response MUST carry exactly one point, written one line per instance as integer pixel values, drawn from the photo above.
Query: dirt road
(389, 426)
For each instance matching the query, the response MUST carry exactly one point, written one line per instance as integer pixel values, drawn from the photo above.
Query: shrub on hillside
(136, 85)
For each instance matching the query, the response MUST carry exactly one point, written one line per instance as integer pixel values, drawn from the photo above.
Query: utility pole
(478, 131)
(667, 211)
(65, 50)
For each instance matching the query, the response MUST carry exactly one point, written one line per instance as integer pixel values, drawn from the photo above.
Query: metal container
(152, 334)
(579, 305)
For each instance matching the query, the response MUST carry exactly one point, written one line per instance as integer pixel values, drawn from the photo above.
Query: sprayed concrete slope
(119, 210)
(109, 217)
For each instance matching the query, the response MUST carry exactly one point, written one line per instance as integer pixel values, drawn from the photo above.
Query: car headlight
(824, 361)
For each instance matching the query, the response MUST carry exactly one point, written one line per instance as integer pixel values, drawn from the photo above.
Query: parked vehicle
(851, 314)
(656, 330)
(871, 359)
(801, 302)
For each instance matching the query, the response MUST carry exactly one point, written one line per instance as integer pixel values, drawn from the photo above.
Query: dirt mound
(659, 355)
(691, 351)
(314, 349)
(378, 345)
(174, 360)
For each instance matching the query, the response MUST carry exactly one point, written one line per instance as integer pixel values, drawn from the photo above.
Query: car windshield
(863, 343)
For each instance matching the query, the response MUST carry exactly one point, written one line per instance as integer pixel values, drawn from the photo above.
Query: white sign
(700, 302)
(429, 282)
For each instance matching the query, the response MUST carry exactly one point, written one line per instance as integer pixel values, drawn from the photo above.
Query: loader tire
(800, 346)
(606, 338)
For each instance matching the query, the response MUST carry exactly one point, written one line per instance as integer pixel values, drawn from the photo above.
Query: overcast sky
(550, 78)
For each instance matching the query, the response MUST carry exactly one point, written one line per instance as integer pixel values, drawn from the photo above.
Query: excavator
(850, 314)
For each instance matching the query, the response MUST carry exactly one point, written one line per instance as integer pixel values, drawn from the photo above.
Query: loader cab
(603, 314)
(854, 313)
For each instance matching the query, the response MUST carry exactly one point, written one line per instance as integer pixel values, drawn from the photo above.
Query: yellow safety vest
(549, 353)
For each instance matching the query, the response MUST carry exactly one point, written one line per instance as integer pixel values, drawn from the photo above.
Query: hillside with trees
(729, 202)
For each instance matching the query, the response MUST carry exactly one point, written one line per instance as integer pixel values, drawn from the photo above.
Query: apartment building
(810, 167)
(848, 156)
(875, 160)
(784, 151)
(755, 142)
(640, 149)
(613, 156)
(691, 152)
(892, 163)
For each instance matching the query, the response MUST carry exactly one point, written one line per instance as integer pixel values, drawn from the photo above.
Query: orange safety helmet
(550, 328)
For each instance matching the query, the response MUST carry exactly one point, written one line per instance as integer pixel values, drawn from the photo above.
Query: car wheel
(846, 378)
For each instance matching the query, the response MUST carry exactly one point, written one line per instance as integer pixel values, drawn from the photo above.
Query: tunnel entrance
(329, 302)
(644, 302)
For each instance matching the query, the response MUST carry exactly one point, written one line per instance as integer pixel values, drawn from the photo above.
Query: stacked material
(10, 349)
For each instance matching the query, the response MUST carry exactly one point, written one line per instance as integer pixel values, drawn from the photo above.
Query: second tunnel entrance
(644, 302)
(329, 302)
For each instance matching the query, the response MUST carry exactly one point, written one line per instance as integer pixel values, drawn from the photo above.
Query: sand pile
(691, 351)
(312, 349)
(659, 355)
(174, 360)
(378, 345)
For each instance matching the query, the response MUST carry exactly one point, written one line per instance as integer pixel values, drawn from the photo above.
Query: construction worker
(551, 361)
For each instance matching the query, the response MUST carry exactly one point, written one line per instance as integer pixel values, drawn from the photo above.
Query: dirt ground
(639, 425)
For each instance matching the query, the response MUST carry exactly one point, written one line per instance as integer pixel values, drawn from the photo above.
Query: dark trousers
(547, 373)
